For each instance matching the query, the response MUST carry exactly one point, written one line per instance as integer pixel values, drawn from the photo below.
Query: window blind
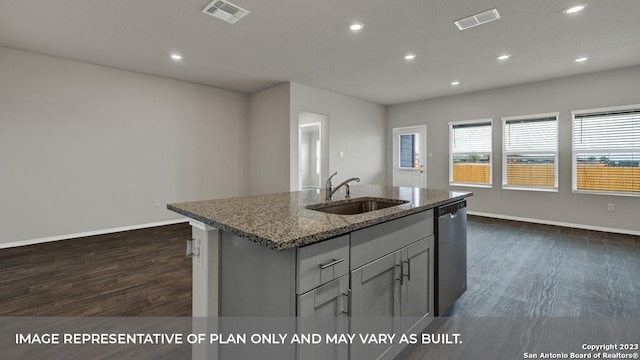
(606, 151)
(470, 157)
(530, 152)
(471, 138)
(607, 131)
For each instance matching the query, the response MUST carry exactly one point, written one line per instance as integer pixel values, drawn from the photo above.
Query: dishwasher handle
(452, 209)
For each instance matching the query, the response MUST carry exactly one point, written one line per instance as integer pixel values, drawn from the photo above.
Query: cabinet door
(324, 311)
(374, 303)
(416, 293)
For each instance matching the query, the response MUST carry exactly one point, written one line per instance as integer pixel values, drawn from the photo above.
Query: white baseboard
(556, 223)
(90, 233)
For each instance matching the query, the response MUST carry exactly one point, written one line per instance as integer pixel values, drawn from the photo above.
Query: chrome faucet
(328, 187)
(329, 191)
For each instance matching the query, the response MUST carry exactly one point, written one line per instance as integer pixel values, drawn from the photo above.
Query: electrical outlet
(341, 154)
(611, 207)
(198, 248)
(156, 203)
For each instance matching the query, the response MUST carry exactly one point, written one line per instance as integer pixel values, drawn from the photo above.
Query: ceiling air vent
(477, 19)
(225, 10)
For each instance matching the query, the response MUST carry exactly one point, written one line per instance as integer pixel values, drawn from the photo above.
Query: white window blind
(530, 149)
(470, 152)
(606, 151)
(471, 138)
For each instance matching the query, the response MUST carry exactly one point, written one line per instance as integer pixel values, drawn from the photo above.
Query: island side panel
(256, 280)
(204, 286)
(205, 269)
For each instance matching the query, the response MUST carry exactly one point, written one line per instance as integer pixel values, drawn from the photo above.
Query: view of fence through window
(608, 172)
(606, 150)
(530, 147)
(605, 143)
(470, 152)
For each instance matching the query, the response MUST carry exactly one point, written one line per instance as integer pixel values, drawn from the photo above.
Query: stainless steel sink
(356, 206)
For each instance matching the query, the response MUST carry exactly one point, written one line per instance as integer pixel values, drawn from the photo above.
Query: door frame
(323, 119)
(396, 154)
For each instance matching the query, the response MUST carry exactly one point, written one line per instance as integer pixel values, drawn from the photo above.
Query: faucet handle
(328, 187)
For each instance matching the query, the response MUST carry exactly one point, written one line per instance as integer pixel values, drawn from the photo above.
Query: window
(606, 151)
(530, 152)
(409, 151)
(470, 153)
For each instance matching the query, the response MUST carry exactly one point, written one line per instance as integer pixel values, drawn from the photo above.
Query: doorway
(312, 149)
(409, 156)
(310, 155)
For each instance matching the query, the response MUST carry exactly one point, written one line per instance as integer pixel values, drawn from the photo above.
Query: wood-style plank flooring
(514, 269)
(133, 273)
(518, 269)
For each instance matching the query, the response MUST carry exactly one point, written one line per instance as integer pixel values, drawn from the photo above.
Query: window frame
(400, 167)
(490, 153)
(505, 186)
(574, 155)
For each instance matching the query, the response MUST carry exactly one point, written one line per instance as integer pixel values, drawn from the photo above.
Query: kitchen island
(281, 255)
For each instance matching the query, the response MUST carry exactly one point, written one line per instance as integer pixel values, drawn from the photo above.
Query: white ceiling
(309, 42)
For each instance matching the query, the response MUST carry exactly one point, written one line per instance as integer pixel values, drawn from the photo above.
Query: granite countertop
(280, 221)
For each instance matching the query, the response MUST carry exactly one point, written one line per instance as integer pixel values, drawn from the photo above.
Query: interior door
(324, 311)
(409, 156)
(375, 302)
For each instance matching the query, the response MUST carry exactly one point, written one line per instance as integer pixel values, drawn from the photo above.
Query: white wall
(269, 139)
(85, 147)
(610, 88)
(356, 127)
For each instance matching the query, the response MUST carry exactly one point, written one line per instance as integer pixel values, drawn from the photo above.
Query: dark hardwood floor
(514, 269)
(133, 273)
(518, 269)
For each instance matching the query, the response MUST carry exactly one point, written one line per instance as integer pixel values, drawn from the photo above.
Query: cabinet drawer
(322, 262)
(382, 239)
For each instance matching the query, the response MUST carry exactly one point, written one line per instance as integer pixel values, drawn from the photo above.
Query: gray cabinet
(379, 240)
(416, 291)
(324, 310)
(322, 262)
(375, 300)
(377, 280)
(393, 294)
(415, 295)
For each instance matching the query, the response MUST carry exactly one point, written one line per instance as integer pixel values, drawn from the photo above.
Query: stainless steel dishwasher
(451, 255)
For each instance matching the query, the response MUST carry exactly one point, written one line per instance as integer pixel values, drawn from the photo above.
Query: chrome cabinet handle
(401, 274)
(331, 263)
(345, 310)
(408, 274)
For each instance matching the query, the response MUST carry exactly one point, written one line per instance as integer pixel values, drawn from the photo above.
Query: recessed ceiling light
(356, 27)
(176, 57)
(455, 83)
(574, 9)
(581, 59)
(410, 56)
(504, 57)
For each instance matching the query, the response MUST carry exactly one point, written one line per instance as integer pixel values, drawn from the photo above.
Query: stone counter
(280, 221)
